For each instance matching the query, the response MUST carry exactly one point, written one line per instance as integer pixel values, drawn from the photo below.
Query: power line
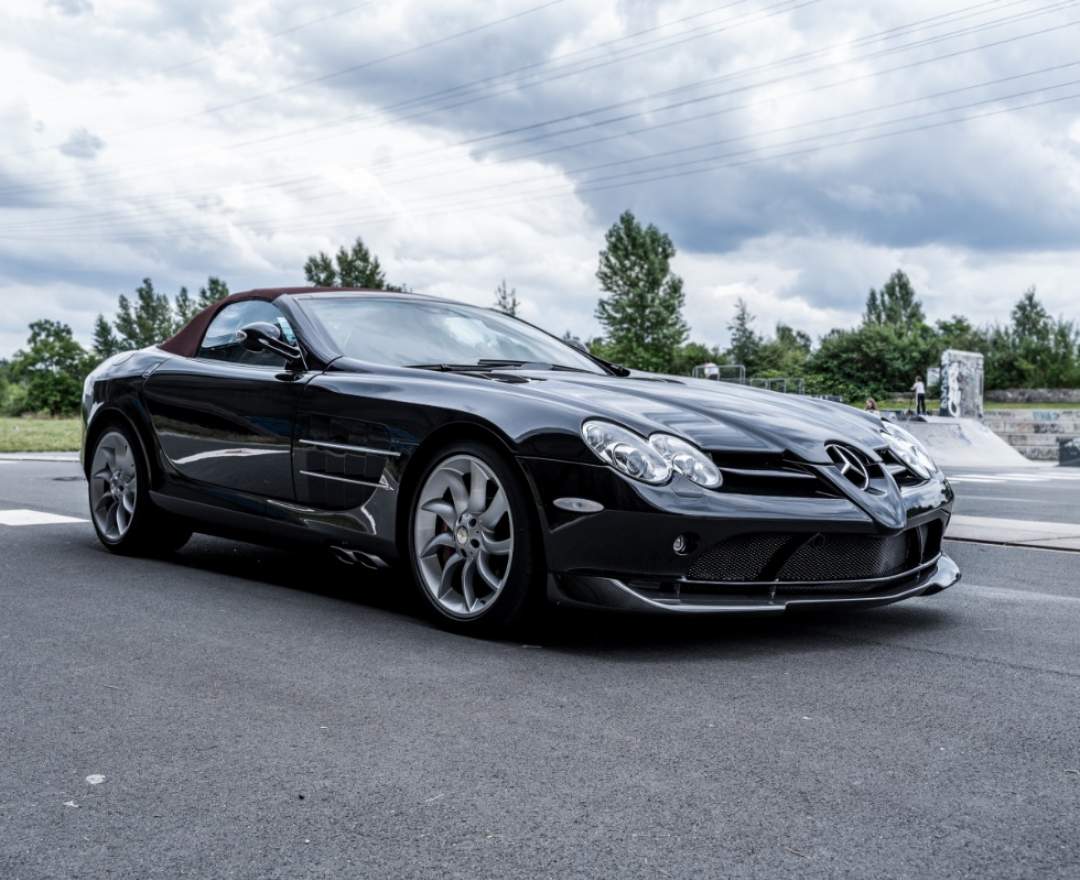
(779, 63)
(698, 166)
(872, 74)
(578, 190)
(635, 176)
(273, 35)
(242, 144)
(692, 148)
(1056, 7)
(317, 79)
(783, 7)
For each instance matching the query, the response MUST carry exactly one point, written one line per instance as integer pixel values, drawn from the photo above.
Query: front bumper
(668, 549)
(592, 591)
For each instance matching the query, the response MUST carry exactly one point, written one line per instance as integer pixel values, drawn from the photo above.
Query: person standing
(920, 396)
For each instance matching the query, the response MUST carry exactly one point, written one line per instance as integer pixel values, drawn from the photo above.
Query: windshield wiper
(485, 364)
(448, 368)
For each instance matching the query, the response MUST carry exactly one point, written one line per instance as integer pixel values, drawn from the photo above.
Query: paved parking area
(259, 714)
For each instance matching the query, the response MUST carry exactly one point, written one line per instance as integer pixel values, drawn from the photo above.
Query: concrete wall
(1034, 395)
(1034, 433)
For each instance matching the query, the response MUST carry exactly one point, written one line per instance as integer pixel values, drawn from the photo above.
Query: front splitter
(590, 591)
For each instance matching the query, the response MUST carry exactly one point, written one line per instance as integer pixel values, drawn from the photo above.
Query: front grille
(764, 557)
(770, 474)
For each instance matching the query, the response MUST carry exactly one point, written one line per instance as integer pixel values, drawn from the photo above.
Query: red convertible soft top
(186, 342)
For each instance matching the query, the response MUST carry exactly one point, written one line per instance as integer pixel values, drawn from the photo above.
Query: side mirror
(264, 336)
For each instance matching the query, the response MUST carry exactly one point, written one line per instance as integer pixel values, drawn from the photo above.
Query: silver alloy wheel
(463, 536)
(113, 485)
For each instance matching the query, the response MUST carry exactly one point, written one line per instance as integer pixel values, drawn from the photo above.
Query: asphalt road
(263, 715)
(1038, 493)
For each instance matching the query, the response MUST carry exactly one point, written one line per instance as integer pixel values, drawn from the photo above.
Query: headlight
(652, 461)
(908, 449)
(687, 460)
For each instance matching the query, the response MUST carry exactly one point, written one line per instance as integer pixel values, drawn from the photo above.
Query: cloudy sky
(797, 151)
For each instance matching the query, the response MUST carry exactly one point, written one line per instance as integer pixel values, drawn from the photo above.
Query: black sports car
(502, 465)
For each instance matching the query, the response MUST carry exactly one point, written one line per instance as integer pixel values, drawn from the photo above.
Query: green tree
(642, 313)
(693, 354)
(149, 322)
(506, 298)
(355, 267)
(52, 368)
(1032, 325)
(184, 309)
(785, 354)
(745, 345)
(106, 343)
(959, 333)
(1034, 350)
(872, 360)
(895, 304)
(215, 290)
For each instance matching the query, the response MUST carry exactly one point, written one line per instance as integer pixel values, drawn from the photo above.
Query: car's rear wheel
(124, 517)
(472, 544)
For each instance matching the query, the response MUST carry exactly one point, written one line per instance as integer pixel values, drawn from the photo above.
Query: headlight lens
(687, 460)
(626, 452)
(908, 449)
(652, 461)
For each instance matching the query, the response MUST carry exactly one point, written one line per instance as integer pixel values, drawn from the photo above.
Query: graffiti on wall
(961, 384)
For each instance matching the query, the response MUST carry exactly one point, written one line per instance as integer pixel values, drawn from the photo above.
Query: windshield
(400, 332)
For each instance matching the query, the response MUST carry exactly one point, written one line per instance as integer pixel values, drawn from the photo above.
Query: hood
(714, 415)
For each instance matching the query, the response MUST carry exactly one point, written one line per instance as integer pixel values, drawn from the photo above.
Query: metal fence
(736, 374)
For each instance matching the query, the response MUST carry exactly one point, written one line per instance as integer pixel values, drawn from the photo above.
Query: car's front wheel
(124, 517)
(472, 543)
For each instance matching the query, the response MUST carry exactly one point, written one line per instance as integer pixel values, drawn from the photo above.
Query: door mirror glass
(264, 336)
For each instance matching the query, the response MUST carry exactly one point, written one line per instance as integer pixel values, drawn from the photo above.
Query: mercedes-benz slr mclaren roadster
(502, 466)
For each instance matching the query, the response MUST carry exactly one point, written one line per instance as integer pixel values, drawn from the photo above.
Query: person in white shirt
(920, 396)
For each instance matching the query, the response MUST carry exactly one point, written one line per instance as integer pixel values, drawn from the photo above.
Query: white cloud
(326, 132)
(82, 144)
(71, 7)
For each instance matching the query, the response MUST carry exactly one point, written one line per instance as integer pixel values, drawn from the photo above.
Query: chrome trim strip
(768, 473)
(381, 484)
(342, 447)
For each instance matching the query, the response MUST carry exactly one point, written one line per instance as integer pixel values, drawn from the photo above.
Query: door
(225, 417)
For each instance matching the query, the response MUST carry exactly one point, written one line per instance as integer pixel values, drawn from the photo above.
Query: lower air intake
(782, 556)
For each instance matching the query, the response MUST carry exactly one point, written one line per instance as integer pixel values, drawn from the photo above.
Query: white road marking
(1010, 500)
(1028, 595)
(1051, 475)
(35, 518)
(38, 456)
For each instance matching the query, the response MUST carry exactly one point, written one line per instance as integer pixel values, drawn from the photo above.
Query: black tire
(151, 531)
(519, 600)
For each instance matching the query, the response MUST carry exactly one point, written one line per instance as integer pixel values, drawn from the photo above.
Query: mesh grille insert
(742, 558)
(847, 557)
(769, 556)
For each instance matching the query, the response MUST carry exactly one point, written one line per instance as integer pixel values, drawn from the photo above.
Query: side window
(220, 342)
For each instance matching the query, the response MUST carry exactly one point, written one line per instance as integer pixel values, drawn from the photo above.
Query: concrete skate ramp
(965, 443)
